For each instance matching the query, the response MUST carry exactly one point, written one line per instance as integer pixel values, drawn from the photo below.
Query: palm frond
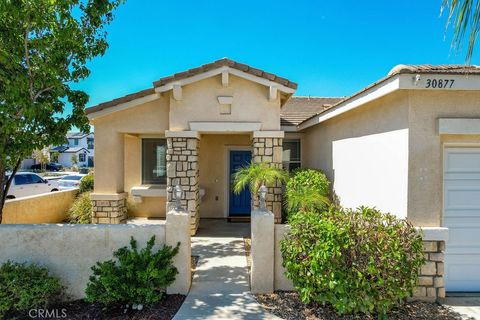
(255, 174)
(304, 199)
(464, 15)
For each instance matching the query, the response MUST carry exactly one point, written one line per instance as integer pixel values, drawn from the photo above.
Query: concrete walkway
(220, 287)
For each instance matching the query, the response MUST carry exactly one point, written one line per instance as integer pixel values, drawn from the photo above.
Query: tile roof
(225, 62)
(298, 109)
(429, 68)
(124, 99)
(76, 135)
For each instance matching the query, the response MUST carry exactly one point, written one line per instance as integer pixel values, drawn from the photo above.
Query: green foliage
(74, 159)
(23, 287)
(136, 277)
(40, 156)
(86, 184)
(356, 260)
(44, 50)
(54, 156)
(465, 15)
(307, 190)
(81, 210)
(256, 174)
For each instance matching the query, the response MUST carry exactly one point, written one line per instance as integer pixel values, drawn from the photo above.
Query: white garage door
(462, 217)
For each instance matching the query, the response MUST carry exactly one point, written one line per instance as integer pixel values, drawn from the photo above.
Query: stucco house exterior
(408, 144)
(80, 144)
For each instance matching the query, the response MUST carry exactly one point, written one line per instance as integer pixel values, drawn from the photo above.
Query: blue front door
(240, 204)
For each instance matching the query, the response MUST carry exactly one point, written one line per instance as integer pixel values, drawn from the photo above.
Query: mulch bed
(287, 305)
(80, 309)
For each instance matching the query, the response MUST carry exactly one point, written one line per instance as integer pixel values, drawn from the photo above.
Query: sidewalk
(220, 287)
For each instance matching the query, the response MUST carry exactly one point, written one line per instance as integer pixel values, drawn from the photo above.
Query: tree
(44, 49)
(54, 156)
(256, 174)
(74, 159)
(41, 157)
(465, 16)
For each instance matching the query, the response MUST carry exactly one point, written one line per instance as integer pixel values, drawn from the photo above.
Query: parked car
(26, 184)
(70, 181)
(52, 166)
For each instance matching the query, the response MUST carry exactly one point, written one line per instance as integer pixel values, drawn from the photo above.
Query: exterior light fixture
(178, 193)
(262, 192)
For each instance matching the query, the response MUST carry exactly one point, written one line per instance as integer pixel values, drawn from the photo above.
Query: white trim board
(458, 126)
(220, 126)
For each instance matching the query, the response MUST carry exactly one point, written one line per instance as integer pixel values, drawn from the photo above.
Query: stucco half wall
(364, 153)
(68, 251)
(43, 208)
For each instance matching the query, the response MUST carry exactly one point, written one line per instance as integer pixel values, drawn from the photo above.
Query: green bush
(307, 190)
(81, 210)
(86, 184)
(135, 278)
(26, 286)
(356, 260)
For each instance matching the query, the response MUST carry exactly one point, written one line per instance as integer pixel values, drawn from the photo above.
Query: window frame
(162, 182)
(299, 162)
(80, 155)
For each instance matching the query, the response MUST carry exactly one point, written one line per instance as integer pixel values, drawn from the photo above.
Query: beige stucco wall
(364, 153)
(213, 171)
(110, 141)
(44, 208)
(425, 188)
(200, 103)
(68, 251)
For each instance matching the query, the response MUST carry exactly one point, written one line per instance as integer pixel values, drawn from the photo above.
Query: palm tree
(256, 174)
(304, 200)
(465, 15)
(40, 156)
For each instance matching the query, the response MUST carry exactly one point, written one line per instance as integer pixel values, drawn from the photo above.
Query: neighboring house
(79, 144)
(408, 144)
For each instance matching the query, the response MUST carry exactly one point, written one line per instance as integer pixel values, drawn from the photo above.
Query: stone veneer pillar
(431, 282)
(109, 208)
(268, 147)
(182, 169)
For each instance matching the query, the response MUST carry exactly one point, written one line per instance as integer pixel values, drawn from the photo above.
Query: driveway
(467, 306)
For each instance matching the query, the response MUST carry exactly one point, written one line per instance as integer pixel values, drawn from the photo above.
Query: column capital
(268, 134)
(182, 134)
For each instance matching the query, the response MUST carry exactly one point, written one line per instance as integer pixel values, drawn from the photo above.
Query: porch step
(238, 219)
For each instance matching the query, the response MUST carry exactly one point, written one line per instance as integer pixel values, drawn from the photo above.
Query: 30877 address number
(439, 83)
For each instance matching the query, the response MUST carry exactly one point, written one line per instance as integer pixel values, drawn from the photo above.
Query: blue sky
(329, 48)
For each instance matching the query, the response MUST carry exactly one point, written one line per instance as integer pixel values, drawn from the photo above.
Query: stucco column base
(178, 231)
(109, 208)
(263, 251)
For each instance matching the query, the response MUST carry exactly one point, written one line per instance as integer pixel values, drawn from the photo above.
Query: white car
(70, 181)
(26, 184)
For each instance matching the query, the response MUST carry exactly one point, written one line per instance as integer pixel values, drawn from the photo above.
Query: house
(408, 144)
(79, 144)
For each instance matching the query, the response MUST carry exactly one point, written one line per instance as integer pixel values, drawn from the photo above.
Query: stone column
(268, 147)
(183, 170)
(109, 208)
(431, 282)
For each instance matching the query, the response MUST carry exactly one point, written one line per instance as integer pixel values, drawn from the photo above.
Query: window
(81, 157)
(20, 179)
(90, 143)
(291, 154)
(33, 178)
(75, 142)
(154, 164)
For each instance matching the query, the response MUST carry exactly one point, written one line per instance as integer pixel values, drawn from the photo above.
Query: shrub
(356, 260)
(86, 184)
(26, 286)
(307, 190)
(81, 210)
(135, 278)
